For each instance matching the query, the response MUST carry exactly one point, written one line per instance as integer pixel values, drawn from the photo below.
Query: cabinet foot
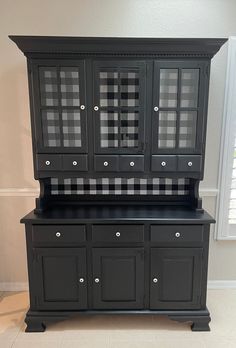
(34, 325)
(199, 323)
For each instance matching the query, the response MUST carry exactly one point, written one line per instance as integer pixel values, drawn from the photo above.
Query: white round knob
(75, 163)
(177, 235)
(82, 107)
(156, 108)
(190, 164)
(97, 280)
(58, 234)
(105, 164)
(117, 234)
(131, 164)
(163, 164)
(96, 108)
(47, 163)
(155, 280)
(81, 280)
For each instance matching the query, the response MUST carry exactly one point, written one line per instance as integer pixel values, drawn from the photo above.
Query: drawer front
(58, 234)
(49, 162)
(189, 163)
(75, 162)
(118, 233)
(164, 163)
(106, 163)
(177, 234)
(131, 163)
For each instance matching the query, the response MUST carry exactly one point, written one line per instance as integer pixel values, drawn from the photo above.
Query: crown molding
(34, 46)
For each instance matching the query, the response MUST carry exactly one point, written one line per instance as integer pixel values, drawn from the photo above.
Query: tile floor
(119, 331)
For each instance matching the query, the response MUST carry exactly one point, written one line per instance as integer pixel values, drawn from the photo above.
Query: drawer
(177, 234)
(131, 163)
(189, 163)
(75, 162)
(106, 163)
(49, 162)
(164, 163)
(58, 234)
(118, 233)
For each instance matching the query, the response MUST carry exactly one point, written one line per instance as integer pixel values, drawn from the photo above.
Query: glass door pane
(176, 116)
(62, 99)
(119, 97)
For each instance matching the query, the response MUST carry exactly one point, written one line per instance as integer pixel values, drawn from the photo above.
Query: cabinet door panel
(59, 272)
(118, 278)
(175, 278)
(178, 100)
(119, 100)
(59, 89)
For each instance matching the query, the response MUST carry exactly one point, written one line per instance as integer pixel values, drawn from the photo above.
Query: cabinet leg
(199, 323)
(34, 325)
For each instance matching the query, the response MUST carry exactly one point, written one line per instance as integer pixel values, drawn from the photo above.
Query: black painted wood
(57, 235)
(118, 278)
(62, 278)
(91, 254)
(176, 278)
(108, 46)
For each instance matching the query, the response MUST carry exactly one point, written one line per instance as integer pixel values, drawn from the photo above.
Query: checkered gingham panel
(187, 129)
(48, 86)
(69, 84)
(71, 128)
(109, 125)
(129, 123)
(119, 186)
(189, 88)
(167, 129)
(108, 88)
(129, 88)
(51, 128)
(168, 88)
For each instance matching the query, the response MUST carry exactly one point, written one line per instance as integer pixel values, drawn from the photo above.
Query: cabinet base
(37, 321)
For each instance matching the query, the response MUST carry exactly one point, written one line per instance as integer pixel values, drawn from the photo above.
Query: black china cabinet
(118, 134)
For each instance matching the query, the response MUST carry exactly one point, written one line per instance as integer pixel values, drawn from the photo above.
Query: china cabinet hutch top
(118, 116)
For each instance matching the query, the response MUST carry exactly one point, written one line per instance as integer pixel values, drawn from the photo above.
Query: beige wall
(150, 18)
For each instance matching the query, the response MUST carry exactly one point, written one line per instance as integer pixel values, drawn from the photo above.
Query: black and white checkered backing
(168, 88)
(119, 186)
(119, 88)
(187, 129)
(48, 86)
(60, 87)
(109, 127)
(167, 129)
(189, 88)
(129, 88)
(71, 128)
(129, 128)
(109, 93)
(69, 83)
(51, 128)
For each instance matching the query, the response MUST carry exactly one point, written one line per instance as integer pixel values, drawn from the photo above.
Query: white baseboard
(221, 284)
(212, 284)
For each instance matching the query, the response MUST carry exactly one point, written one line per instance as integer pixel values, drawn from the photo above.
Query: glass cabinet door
(119, 97)
(61, 106)
(177, 109)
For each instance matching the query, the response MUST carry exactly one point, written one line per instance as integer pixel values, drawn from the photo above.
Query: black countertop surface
(118, 213)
